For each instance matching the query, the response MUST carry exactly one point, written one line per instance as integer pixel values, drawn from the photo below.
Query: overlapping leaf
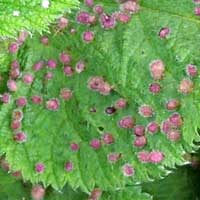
(30, 15)
(181, 184)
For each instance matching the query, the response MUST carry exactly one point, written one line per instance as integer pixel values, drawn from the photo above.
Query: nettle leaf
(5, 59)
(72, 128)
(30, 15)
(181, 184)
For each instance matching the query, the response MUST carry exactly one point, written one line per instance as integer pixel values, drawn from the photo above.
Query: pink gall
(108, 138)
(95, 194)
(152, 127)
(14, 73)
(146, 111)
(28, 79)
(20, 137)
(37, 192)
(89, 3)
(164, 32)
(157, 69)
(139, 130)
(156, 157)
(128, 170)
(39, 167)
(48, 76)
(143, 156)
(88, 36)
(5, 98)
(197, 11)
(83, 17)
(174, 135)
(22, 37)
(53, 104)
(15, 64)
(126, 122)
(15, 125)
(105, 89)
(166, 126)
(74, 146)
(13, 48)
(130, 7)
(21, 101)
(186, 86)
(191, 70)
(95, 144)
(155, 88)
(113, 157)
(44, 40)
(63, 23)
(68, 71)
(51, 63)
(95, 82)
(121, 103)
(66, 94)
(140, 141)
(12, 85)
(17, 114)
(107, 21)
(38, 66)
(98, 9)
(17, 174)
(65, 58)
(69, 166)
(122, 17)
(80, 67)
(36, 99)
(172, 104)
(176, 120)
(110, 110)
(92, 19)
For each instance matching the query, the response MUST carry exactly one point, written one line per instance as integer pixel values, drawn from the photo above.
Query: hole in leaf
(101, 128)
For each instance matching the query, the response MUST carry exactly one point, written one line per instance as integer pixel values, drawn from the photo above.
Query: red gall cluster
(172, 125)
(97, 83)
(14, 46)
(150, 157)
(119, 104)
(107, 21)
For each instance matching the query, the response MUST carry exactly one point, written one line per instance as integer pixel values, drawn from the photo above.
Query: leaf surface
(122, 57)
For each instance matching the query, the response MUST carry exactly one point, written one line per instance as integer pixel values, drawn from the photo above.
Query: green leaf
(122, 57)
(11, 188)
(181, 184)
(4, 57)
(30, 15)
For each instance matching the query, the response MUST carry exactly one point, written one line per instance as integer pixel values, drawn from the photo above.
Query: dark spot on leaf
(101, 128)
(110, 110)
